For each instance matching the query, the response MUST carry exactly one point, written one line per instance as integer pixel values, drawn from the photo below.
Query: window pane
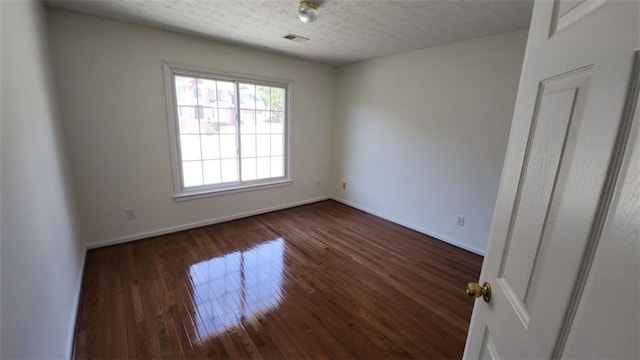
(223, 117)
(229, 170)
(207, 123)
(277, 99)
(262, 122)
(210, 147)
(226, 92)
(277, 145)
(208, 90)
(277, 166)
(185, 87)
(263, 147)
(264, 92)
(228, 148)
(248, 121)
(211, 172)
(248, 145)
(192, 173)
(198, 91)
(247, 96)
(248, 169)
(190, 147)
(277, 122)
(263, 168)
(187, 121)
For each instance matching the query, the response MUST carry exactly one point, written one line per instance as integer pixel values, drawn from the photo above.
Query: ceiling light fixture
(307, 11)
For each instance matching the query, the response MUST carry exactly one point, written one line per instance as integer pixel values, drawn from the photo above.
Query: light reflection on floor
(237, 286)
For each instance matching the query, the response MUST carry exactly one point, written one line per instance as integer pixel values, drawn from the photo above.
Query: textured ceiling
(346, 30)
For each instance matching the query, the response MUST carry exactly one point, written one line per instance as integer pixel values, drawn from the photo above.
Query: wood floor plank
(320, 281)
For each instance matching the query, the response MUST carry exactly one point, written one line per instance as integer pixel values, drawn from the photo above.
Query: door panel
(488, 351)
(567, 12)
(557, 179)
(558, 113)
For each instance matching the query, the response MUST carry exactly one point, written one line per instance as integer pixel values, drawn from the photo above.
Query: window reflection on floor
(237, 286)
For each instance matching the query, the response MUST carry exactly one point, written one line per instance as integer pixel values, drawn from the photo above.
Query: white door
(563, 259)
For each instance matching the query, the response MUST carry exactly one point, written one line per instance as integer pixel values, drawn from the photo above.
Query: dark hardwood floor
(317, 281)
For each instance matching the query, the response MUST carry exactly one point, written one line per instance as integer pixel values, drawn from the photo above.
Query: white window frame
(179, 191)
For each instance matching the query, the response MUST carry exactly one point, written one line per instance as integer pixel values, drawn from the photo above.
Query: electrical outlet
(460, 220)
(344, 185)
(130, 214)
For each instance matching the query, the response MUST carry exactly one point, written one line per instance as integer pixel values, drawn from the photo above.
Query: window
(235, 138)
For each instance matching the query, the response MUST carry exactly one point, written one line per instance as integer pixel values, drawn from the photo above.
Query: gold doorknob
(475, 290)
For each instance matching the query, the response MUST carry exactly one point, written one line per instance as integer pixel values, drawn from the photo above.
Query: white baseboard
(412, 227)
(76, 305)
(196, 224)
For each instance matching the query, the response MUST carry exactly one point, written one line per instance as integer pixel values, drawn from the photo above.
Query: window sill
(198, 194)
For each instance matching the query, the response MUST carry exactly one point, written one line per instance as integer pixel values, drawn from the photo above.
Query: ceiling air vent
(296, 38)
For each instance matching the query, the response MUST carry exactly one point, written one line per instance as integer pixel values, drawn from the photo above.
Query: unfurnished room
(322, 179)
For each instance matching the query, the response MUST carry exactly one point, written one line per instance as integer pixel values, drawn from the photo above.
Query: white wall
(111, 93)
(41, 253)
(1, 181)
(420, 137)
